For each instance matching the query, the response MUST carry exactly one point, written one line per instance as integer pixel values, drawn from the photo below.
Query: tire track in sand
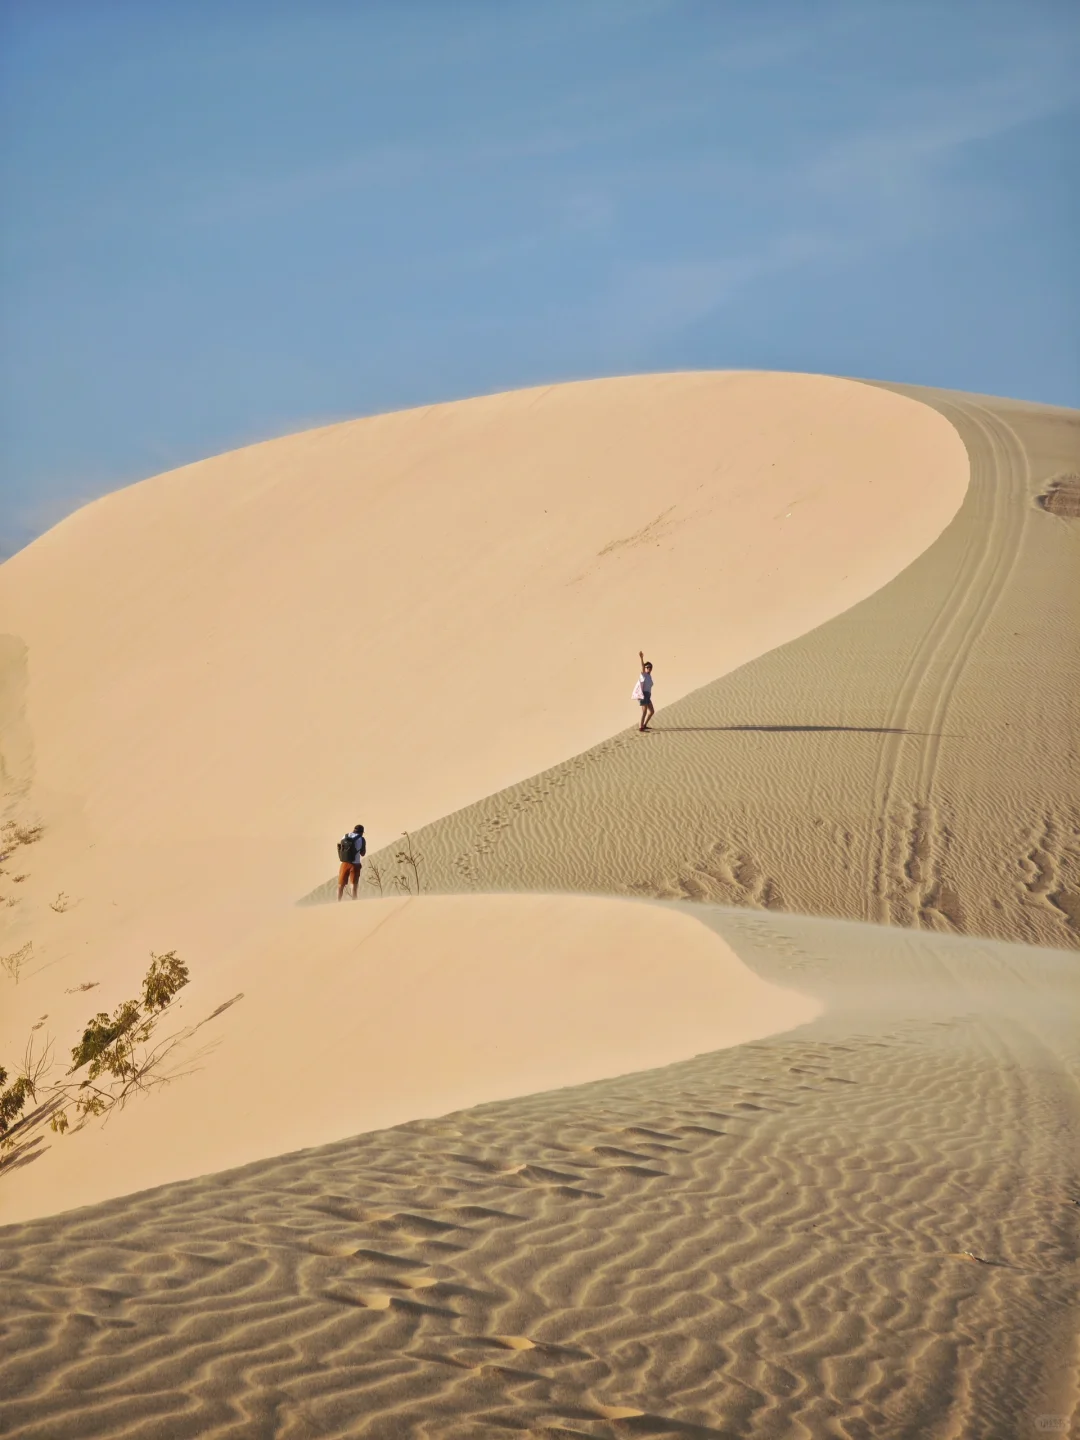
(906, 844)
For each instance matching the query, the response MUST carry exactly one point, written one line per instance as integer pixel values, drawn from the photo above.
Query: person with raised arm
(643, 691)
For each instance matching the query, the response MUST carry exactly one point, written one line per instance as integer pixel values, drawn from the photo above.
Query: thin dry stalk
(405, 856)
(14, 962)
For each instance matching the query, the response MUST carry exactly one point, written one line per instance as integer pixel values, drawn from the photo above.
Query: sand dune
(864, 1227)
(211, 674)
(913, 761)
(398, 616)
(858, 1217)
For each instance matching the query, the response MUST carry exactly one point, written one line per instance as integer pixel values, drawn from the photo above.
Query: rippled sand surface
(866, 1227)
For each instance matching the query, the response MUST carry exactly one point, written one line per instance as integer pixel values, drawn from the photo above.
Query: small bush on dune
(166, 976)
(117, 1046)
(12, 835)
(118, 1053)
(12, 1099)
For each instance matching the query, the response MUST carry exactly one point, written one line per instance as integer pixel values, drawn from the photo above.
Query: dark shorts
(645, 700)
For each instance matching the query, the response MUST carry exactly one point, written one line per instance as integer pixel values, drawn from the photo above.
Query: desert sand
(865, 1226)
(765, 1097)
(212, 674)
(914, 761)
(411, 1007)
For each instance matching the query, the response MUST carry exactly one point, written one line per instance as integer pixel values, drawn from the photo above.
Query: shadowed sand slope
(913, 761)
(867, 1227)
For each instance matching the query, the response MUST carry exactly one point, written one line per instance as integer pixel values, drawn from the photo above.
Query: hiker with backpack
(350, 848)
(643, 691)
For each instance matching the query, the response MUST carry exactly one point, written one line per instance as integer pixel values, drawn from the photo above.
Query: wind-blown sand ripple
(859, 1228)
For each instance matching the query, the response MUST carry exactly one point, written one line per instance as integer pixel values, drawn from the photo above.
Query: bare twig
(14, 962)
(35, 1066)
(24, 1087)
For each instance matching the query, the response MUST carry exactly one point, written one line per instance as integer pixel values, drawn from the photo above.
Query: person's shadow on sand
(796, 729)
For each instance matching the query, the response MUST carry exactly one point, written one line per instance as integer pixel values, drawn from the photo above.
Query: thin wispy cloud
(935, 123)
(893, 179)
(655, 299)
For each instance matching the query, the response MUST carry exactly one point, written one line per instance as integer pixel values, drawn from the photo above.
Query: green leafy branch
(117, 1052)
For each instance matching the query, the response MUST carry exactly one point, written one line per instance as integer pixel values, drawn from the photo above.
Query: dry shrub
(409, 861)
(14, 962)
(12, 835)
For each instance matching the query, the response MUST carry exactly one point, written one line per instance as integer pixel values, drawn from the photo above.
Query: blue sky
(224, 221)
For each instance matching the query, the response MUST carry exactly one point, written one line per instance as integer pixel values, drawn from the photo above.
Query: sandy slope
(208, 676)
(329, 1023)
(914, 761)
(866, 1227)
(400, 615)
(863, 1226)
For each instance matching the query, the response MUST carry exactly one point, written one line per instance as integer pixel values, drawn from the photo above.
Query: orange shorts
(348, 874)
